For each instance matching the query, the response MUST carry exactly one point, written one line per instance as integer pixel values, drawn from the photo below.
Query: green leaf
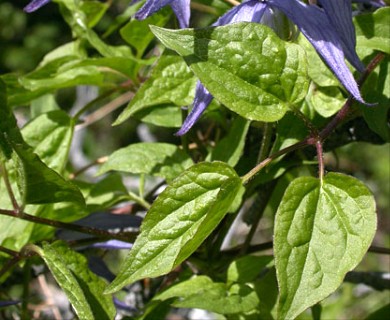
(202, 293)
(245, 66)
(322, 231)
(170, 82)
(372, 30)
(158, 159)
(76, 15)
(163, 115)
(179, 220)
(137, 32)
(83, 288)
(37, 182)
(377, 89)
(50, 135)
(230, 148)
(247, 268)
(326, 100)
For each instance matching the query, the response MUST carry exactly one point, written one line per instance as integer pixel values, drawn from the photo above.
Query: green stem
(265, 142)
(4, 173)
(247, 177)
(314, 139)
(139, 200)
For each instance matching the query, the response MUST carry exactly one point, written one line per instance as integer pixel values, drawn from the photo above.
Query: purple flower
(35, 5)
(181, 8)
(329, 29)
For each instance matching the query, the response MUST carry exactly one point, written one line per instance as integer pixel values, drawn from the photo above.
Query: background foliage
(72, 69)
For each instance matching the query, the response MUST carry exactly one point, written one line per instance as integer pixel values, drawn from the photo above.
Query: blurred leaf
(377, 90)
(94, 11)
(83, 288)
(247, 268)
(158, 159)
(230, 148)
(372, 30)
(171, 81)
(137, 32)
(181, 218)
(323, 231)
(326, 100)
(202, 293)
(163, 115)
(380, 314)
(245, 66)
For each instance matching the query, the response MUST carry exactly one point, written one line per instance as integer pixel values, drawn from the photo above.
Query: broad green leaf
(326, 100)
(181, 218)
(37, 182)
(202, 293)
(94, 11)
(377, 90)
(54, 76)
(83, 288)
(163, 115)
(170, 82)
(50, 136)
(43, 104)
(76, 16)
(322, 231)
(372, 30)
(245, 66)
(230, 148)
(158, 159)
(106, 193)
(247, 268)
(137, 32)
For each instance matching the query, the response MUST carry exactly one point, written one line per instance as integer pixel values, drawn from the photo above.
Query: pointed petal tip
(35, 5)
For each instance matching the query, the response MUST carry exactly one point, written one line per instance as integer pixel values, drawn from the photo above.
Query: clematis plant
(329, 29)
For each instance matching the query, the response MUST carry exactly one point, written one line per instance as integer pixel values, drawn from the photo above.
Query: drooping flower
(329, 29)
(181, 8)
(35, 5)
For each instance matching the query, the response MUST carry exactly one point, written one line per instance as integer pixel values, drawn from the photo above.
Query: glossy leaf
(158, 159)
(170, 82)
(179, 220)
(322, 231)
(245, 66)
(83, 288)
(37, 182)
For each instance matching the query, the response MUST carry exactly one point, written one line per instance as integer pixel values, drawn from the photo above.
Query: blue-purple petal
(201, 101)
(35, 5)
(8, 303)
(113, 244)
(248, 11)
(339, 13)
(315, 25)
(150, 7)
(182, 10)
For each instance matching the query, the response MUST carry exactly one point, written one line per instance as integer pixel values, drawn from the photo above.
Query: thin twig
(105, 110)
(90, 165)
(124, 236)
(4, 173)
